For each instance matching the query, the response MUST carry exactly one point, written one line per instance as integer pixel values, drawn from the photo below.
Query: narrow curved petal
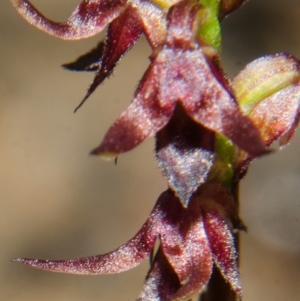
(145, 116)
(185, 245)
(222, 247)
(216, 195)
(161, 281)
(154, 22)
(182, 20)
(183, 263)
(124, 258)
(89, 18)
(184, 151)
(121, 35)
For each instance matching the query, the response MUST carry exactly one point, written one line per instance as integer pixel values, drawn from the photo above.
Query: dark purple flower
(182, 71)
(126, 21)
(191, 241)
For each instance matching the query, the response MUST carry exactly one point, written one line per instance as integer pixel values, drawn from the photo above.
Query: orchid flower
(207, 129)
(191, 240)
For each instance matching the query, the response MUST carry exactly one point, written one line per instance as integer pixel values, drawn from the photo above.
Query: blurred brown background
(58, 202)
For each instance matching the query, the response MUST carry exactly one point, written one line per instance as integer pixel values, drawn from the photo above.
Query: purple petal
(124, 258)
(161, 281)
(143, 118)
(222, 247)
(212, 105)
(153, 20)
(228, 6)
(184, 151)
(182, 20)
(122, 34)
(185, 247)
(218, 196)
(186, 76)
(277, 117)
(89, 18)
(277, 114)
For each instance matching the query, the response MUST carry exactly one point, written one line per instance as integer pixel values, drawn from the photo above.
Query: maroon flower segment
(124, 258)
(269, 117)
(89, 18)
(127, 20)
(182, 72)
(191, 240)
(276, 113)
(185, 154)
(228, 6)
(122, 34)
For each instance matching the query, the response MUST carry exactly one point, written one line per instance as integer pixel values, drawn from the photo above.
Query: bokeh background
(59, 202)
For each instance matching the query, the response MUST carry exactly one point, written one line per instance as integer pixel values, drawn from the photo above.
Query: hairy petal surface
(153, 20)
(182, 25)
(168, 80)
(124, 258)
(264, 77)
(184, 242)
(190, 75)
(277, 114)
(145, 116)
(184, 151)
(89, 18)
(219, 211)
(222, 246)
(186, 76)
(122, 34)
(184, 247)
(269, 92)
(216, 195)
(136, 18)
(182, 72)
(161, 281)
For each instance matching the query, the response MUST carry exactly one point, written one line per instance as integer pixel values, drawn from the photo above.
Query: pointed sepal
(121, 35)
(185, 154)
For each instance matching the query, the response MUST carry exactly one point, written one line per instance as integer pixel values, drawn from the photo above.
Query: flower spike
(207, 130)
